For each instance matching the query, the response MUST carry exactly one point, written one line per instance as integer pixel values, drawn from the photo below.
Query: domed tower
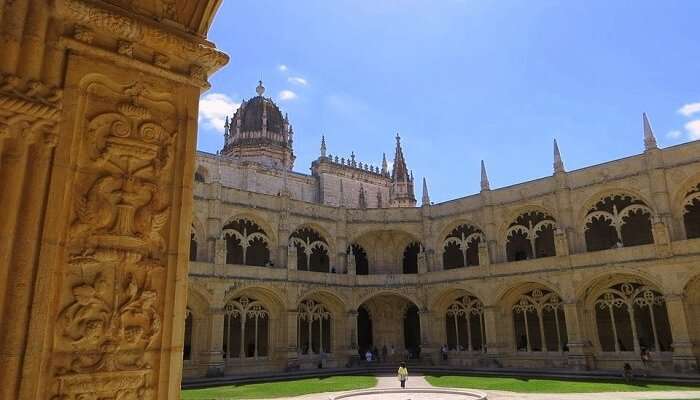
(259, 133)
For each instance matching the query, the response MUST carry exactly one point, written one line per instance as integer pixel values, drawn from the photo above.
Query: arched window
(691, 213)
(360, 257)
(246, 243)
(187, 347)
(631, 317)
(464, 324)
(193, 245)
(198, 177)
(539, 322)
(617, 221)
(531, 235)
(246, 329)
(461, 247)
(410, 258)
(314, 330)
(312, 250)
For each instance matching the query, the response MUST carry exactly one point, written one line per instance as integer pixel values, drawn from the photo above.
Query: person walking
(403, 375)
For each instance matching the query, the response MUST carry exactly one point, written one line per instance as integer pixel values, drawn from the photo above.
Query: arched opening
(691, 213)
(364, 331)
(411, 331)
(464, 325)
(312, 250)
(539, 322)
(391, 322)
(531, 235)
(361, 260)
(246, 328)
(631, 316)
(617, 221)
(246, 243)
(201, 175)
(193, 245)
(461, 247)
(314, 328)
(187, 345)
(410, 258)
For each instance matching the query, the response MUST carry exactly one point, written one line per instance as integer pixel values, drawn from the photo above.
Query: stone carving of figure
(352, 266)
(292, 256)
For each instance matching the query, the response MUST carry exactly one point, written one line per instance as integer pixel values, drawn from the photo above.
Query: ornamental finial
(260, 89)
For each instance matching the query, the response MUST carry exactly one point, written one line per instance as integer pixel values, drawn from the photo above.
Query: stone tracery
(465, 324)
(540, 309)
(314, 334)
(618, 220)
(246, 243)
(312, 250)
(691, 213)
(531, 235)
(461, 247)
(246, 328)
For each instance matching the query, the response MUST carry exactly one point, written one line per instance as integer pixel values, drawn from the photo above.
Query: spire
(385, 166)
(260, 89)
(426, 196)
(649, 139)
(323, 146)
(558, 163)
(400, 172)
(484, 178)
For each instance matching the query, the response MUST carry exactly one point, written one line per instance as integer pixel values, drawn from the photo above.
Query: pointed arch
(247, 243)
(460, 246)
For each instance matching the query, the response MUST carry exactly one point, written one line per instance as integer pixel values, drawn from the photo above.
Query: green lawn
(281, 389)
(538, 385)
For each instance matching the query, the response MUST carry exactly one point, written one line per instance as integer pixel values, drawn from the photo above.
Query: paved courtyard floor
(420, 382)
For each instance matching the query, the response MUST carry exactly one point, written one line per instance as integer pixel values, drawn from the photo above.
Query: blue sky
(463, 80)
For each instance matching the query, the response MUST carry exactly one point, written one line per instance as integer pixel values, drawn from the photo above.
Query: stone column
(220, 251)
(351, 328)
(292, 339)
(493, 338)
(428, 345)
(579, 356)
(98, 120)
(484, 258)
(213, 356)
(685, 358)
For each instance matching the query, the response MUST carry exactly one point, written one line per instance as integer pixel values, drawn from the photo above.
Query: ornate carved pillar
(684, 353)
(428, 345)
(493, 337)
(351, 326)
(579, 355)
(98, 119)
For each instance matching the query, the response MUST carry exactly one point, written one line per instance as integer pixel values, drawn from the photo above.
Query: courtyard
(494, 387)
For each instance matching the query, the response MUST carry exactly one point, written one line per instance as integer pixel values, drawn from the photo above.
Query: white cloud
(689, 109)
(693, 128)
(287, 95)
(675, 134)
(213, 109)
(297, 80)
(282, 67)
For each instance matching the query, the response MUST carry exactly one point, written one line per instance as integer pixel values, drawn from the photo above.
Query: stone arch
(627, 313)
(359, 255)
(391, 292)
(253, 323)
(196, 317)
(247, 242)
(615, 218)
(459, 247)
(460, 314)
(385, 248)
(535, 317)
(312, 249)
(529, 233)
(321, 323)
(690, 212)
(449, 225)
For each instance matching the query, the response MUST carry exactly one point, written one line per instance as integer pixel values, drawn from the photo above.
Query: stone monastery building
(582, 269)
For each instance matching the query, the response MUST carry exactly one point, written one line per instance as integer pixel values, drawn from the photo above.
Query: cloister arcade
(525, 290)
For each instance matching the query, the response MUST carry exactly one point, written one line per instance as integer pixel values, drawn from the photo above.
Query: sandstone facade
(583, 269)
